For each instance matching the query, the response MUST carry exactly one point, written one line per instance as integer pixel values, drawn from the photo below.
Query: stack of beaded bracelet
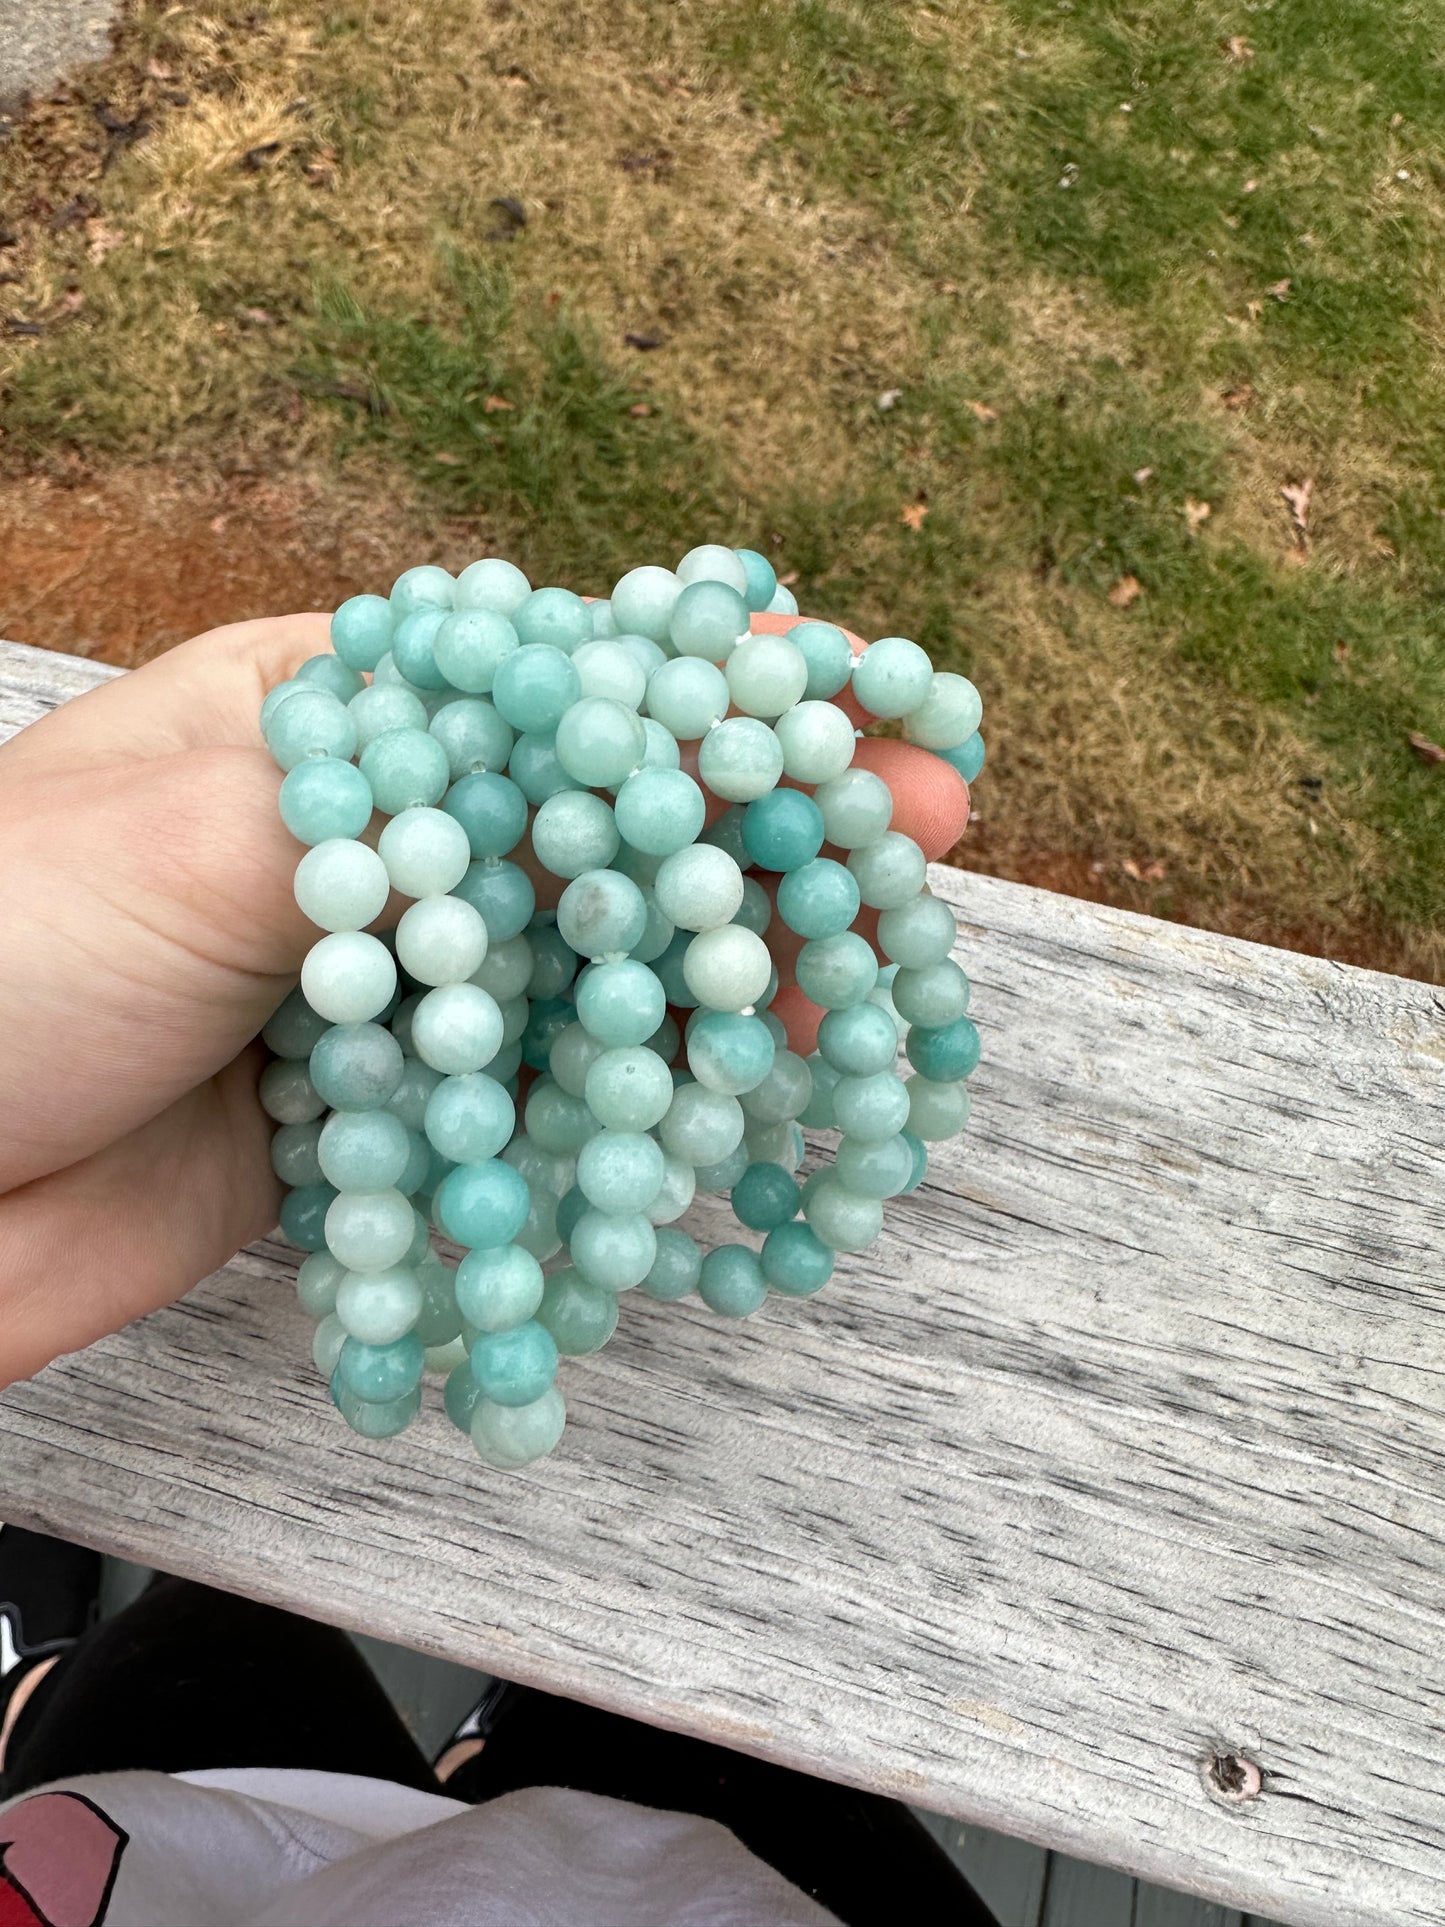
(503, 722)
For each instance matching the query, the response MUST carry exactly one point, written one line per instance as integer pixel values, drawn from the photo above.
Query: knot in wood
(1230, 1777)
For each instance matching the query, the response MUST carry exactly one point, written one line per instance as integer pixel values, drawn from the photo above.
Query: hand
(150, 931)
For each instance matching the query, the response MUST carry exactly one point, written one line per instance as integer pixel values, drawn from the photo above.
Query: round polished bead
(946, 1053)
(755, 912)
(711, 562)
(329, 672)
(378, 1307)
(643, 600)
(723, 1175)
(469, 1118)
(708, 619)
(602, 914)
(324, 798)
(502, 894)
(614, 1251)
(348, 977)
(919, 1152)
(369, 1230)
(341, 884)
(700, 888)
(842, 1219)
(766, 675)
(457, 1028)
(515, 1367)
(574, 831)
(412, 650)
(611, 669)
(572, 1207)
(498, 1288)
(936, 1110)
(620, 1171)
(871, 1107)
(556, 1122)
(534, 688)
(765, 1196)
(727, 969)
(425, 586)
(604, 628)
(948, 715)
(441, 940)
(303, 1215)
(759, 577)
(460, 1396)
(675, 1269)
(482, 1205)
(795, 1261)
(967, 759)
(294, 1153)
(837, 971)
(729, 1053)
(382, 706)
(600, 742)
(858, 1041)
(409, 1100)
(676, 1193)
(783, 830)
(506, 970)
(660, 811)
(731, 1282)
(783, 1093)
(918, 933)
(287, 1093)
(781, 1144)
(687, 696)
(293, 1029)
(363, 1150)
(310, 722)
(317, 1282)
(511, 1436)
(701, 1126)
(827, 655)
(890, 872)
(628, 1088)
(470, 646)
(474, 735)
(857, 808)
(741, 758)
(493, 584)
(892, 677)
(818, 1116)
(279, 693)
(660, 750)
(820, 899)
(405, 767)
(375, 1418)
(378, 1374)
(580, 1316)
(426, 852)
(932, 997)
(727, 834)
(534, 768)
(573, 1053)
(361, 630)
(439, 1322)
(881, 995)
(817, 742)
(880, 1168)
(554, 617)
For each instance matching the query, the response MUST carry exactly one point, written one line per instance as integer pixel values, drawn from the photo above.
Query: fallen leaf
(514, 218)
(1237, 398)
(643, 343)
(71, 302)
(1142, 475)
(1297, 494)
(983, 412)
(100, 239)
(255, 158)
(890, 398)
(1143, 873)
(1279, 289)
(259, 317)
(1238, 48)
(495, 404)
(788, 578)
(1125, 591)
(948, 287)
(913, 514)
(1342, 649)
(218, 525)
(1254, 309)
(1249, 187)
(1196, 514)
(1427, 751)
(155, 71)
(640, 408)
(448, 461)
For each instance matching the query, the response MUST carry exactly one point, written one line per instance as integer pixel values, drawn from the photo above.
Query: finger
(930, 798)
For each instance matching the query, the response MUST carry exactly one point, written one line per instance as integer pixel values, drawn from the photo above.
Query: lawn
(1096, 345)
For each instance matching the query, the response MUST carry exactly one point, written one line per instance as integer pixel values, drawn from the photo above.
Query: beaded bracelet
(502, 721)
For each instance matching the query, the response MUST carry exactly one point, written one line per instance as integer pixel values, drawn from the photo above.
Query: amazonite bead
(783, 602)
(378, 1374)
(482, 1205)
(759, 577)
(783, 1093)
(660, 750)
(303, 1215)
(506, 970)
(837, 971)
(580, 1317)
(382, 706)
(534, 768)
(474, 735)
(820, 899)
(293, 1029)
(755, 912)
(783, 830)
(620, 1171)
(361, 630)
(881, 996)
(558, 1123)
(357, 1066)
(727, 969)
(918, 933)
(687, 696)
(425, 586)
(892, 677)
(502, 894)
(317, 1281)
(817, 742)
(294, 1153)
(604, 628)
(571, 1208)
(498, 1288)
(363, 1151)
(727, 834)
(842, 1219)
(936, 1110)
(439, 1322)
(676, 1193)
(765, 1196)
(627, 1088)
(348, 977)
(324, 798)
(516, 1016)
(870, 1107)
(723, 1175)
(707, 620)
(275, 696)
(967, 759)
(555, 617)
(827, 657)
(470, 646)
(287, 1093)
(369, 1230)
(601, 914)
(890, 872)
(675, 1269)
(740, 758)
(877, 1169)
(936, 995)
(776, 1028)
(341, 884)
(610, 669)
(493, 584)
(426, 852)
(700, 888)
(441, 940)
(780, 1143)
(574, 831)
(600, 742)
(546, 1021)
(310, 722)
(701, 1126)
(642, 602)
(711, 562)
(379, 1307)
(729, 1053)
(405, 768)
(412, 650)
(948, 715)
(375, 1418)
(573, 1053)
(509, 1437)
(515, 1367)
(409, 1100)
(535, 687)
(766, 675)
(857, 808)
(731, 1281)
(329, 672)
(795, 1261)
(666, 1040)
(660, 811)
(460, 1395)
(457, 1029)
(945, 1053)
(858, 1042)
(614, 1251)
(424, 1169)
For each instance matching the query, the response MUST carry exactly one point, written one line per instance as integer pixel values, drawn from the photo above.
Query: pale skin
(149, 931)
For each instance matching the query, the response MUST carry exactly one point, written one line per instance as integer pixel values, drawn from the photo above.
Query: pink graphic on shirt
(59, 1856)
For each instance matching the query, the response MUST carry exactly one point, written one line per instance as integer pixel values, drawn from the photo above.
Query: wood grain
(1123, 1451)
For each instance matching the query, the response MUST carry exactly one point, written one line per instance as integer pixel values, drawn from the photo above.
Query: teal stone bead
(378, 1373)
(401, 1021)
(766, 675)
(728, 969)
(759, 579)
(892, 677)
(303, 1215)
(473, 734)
(614, 1251)
(602, 914)
(341, 884)
(482, 1205)
(376, 1419)
(858, 1042)
(783, 1093)
(708, 618)
(379, 1307)
(439, 1321)
(502, 894)
(572, 1207)
(687, 696)
(660, 811)
(701, 1126)
(795, 1261)
(409, 1100)
(515, 1367)
(890, 872)
(492, 584)
(498, 1288)
(780, 1143)
(412, 648)
(870, 1107)
(727, 834)
(363, 1150)
(423, 587)
(731, 1281)
(603, 624)
(842, 1219)
(295, 1154)
(711, 562)
(931, 997)
(580, 1317)
(783, 830)
(469, 647)
(857, 808)
(357, 1066)
(948, 715)
(755, 912)
(554, 617)
(820, 899)
(535, 770)
(349, 977)
(457, 1029)
(317, 1282)
(460, 1396)
(828, 655)
(878, 1169)
(573, 1053)
(557, 1123)
(293, 1028)
(610, 669)
(324, 798)
(936, 1111)
(765, 1196)
(423, 1170)
(818, 1115)
(641, 868)
(329, 672)
(469, 1118)
(516, 1016)
(678, 1188)
(837, 971)
(600, 742)
(740, 758)
(882, 996)
(783, 603)
(620, 1171)
(918, 933)
(441, 940)
(405, 768)
(699, 888)
(369, 1230)
(647, 654)
(666, 1040)
(725, 1174)
(675, 1269)
(505, 1066)
(311, 722)
(946, 1053)
(643, 601)
(508, 1437)
(627, 1088)
(274, 697)
(426, 852)
(919, 1152)
(361, 630)
(574, 831)
(382, 706)
(660, 750)
(506, 970)
(535, 687)
(817, 741)
(287, 1093)
(967, 759)
(547, 1019)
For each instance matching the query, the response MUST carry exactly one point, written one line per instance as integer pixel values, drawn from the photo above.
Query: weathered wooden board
(1125, 1448)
